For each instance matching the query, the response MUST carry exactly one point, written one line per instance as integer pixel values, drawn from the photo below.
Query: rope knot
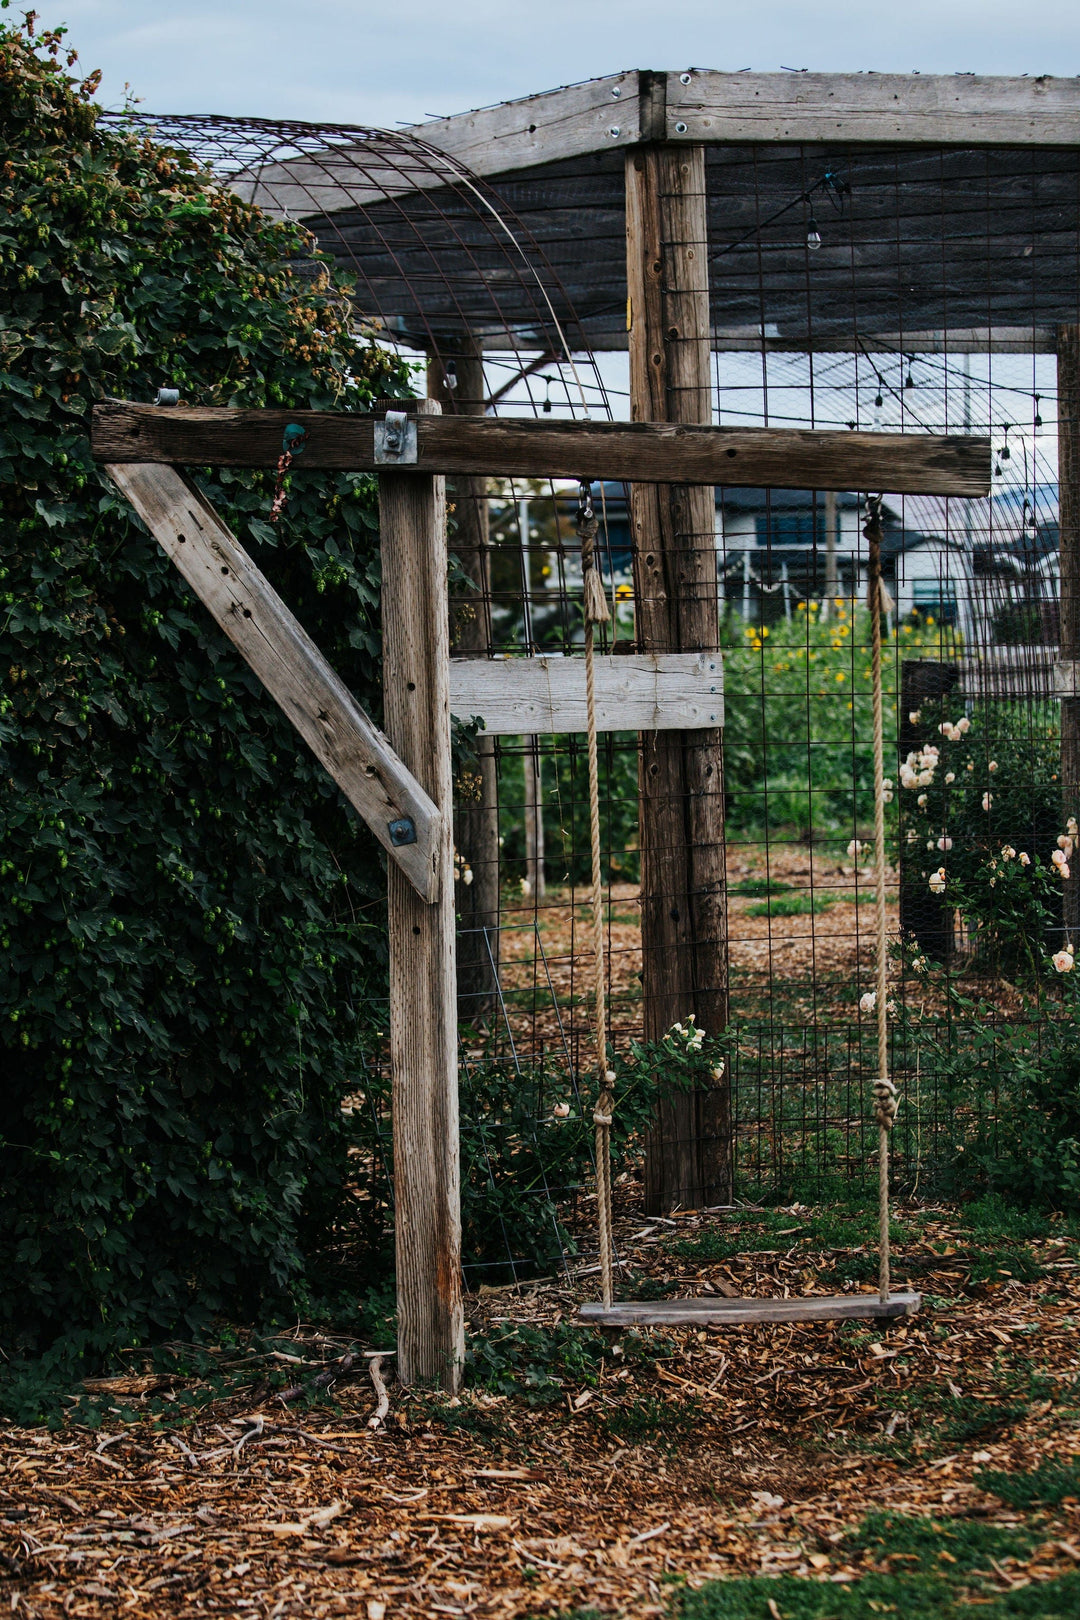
(595, 609)
(885, 1103)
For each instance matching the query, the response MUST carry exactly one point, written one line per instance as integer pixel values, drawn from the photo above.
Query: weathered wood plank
(597, 115)
(423, 992)
(1000, 339)
(939, 109)
(683, 910)
(287, 662)
(647, 452)
(476, 817)
(639, 692)
(711, 1312)
(1067, 679)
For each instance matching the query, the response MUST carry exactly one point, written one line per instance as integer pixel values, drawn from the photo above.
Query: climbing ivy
(190, 916)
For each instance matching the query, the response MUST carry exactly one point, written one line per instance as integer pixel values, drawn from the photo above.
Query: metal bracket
(395, 440)
(402, 831)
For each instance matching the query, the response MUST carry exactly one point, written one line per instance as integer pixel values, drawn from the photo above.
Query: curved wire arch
(438, 259)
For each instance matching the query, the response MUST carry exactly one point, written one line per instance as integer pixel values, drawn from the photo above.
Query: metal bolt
(614, 132)
(680, 128)
(402, 831)
(616, 91)
(684, 78)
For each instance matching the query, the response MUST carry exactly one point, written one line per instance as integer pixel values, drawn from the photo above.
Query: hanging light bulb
(1038, 417)
(450, 373)
(909, 381)
(546, 407)
(813, 235)
(1005, 454)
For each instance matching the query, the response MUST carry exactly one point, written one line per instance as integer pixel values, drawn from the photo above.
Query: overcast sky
(386, 62)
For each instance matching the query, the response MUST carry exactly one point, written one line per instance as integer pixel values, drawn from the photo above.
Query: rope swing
(701, 1311)
(884, 1090)
(596, 612)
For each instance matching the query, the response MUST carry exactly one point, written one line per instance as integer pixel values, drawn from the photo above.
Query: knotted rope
(885, 1104)
(595, 611)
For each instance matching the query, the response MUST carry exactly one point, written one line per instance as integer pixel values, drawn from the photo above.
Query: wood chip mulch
(755, 1451)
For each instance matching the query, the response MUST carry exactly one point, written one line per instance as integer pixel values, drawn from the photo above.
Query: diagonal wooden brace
(283, 656)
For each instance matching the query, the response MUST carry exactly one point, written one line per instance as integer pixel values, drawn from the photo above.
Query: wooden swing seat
(710, 1311)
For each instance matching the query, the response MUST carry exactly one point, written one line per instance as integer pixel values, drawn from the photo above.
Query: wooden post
(683, 901)
(476, 819)
(832, 579)
(532, 775)
(423, 1005)
(1068, 380)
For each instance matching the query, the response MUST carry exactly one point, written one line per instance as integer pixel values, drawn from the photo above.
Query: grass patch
(759, 888)
(534, 1362)
(649, 1421)
(792, 905)
(945, 1420)
(1045, 1486)
(912, 1566)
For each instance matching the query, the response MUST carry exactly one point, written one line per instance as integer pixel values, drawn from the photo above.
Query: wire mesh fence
(908, 290)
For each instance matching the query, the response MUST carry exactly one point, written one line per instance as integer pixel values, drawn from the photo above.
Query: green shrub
(982, 805)
(1013, 1092)
(527, 1143)
(190, 916)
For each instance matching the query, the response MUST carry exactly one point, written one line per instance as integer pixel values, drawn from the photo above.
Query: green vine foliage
(190, 916)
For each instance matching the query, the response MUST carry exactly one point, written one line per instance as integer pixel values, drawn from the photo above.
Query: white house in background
(929, 575)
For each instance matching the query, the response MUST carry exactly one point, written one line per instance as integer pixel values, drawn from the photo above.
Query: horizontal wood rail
(644, 452)
(636, 692)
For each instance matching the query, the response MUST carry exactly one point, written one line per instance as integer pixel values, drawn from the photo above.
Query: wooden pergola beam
(644, 452)
(935, 109)
(703, 105)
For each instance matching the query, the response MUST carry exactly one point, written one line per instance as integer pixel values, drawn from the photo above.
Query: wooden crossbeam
(639, 692)
(642, 452)
(292, 669)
